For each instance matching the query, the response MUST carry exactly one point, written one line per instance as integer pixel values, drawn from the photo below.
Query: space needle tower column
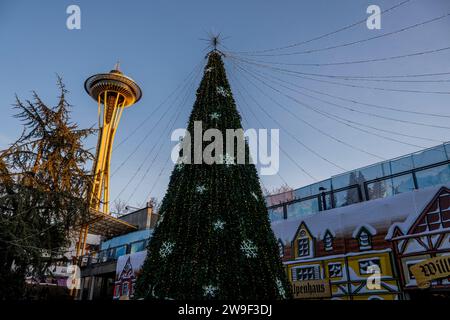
(113, 92)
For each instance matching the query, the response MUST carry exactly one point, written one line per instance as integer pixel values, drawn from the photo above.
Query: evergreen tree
(378, 190)
(214, 239)
(43, 188)
(353, 193)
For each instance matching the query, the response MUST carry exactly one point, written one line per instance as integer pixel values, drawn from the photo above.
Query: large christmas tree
(214, 239)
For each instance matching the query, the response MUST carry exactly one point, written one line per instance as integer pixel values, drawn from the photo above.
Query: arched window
(364, 239)
(328, 241)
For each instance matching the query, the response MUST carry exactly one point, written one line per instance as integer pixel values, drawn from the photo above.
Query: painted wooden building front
(363, 251)
(422, 238)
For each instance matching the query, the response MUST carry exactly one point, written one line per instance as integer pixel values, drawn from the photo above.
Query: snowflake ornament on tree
(249, 248)
(280, 289)
(200, 189)
(214, 116)
(218, 225)
(160, 220)
(222, 92)
(209, 69)
(166, 249)
(209, 291)
(180, 163)
(227, 160)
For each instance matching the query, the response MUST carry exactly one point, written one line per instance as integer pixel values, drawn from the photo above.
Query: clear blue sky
(158, 44)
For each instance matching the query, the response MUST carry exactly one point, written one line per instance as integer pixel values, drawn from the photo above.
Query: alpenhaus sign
(431, 269)
(311, 289)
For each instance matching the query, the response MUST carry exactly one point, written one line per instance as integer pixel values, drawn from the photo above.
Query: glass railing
(417, 160)
(112, 254)
(421, 169)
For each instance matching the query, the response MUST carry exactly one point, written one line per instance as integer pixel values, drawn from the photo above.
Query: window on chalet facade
(306, 273)
(410, 274)
(133, 289)
(364, 239)
(303, 243)
(335, 270)
(328, 241)
(303, 247)
(125, 289)
(364, 265)
(117, 291)
(437, 216)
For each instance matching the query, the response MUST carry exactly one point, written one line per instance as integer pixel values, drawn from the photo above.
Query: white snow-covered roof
(366, 226)
(381, 214)
(333, 234)
(411, 218)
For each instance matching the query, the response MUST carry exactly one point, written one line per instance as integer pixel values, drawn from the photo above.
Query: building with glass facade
(392, 217)
(99, 269)
(426, 168)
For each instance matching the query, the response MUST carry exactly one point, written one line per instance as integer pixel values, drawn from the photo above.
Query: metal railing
(113, 253)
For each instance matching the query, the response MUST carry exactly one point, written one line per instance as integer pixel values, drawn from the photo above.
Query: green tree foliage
(214, 239)
(43, 188)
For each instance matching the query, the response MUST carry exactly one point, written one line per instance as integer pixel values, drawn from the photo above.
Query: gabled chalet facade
(421, 238)
(349, 247)
(128, 269)
(124, 285)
